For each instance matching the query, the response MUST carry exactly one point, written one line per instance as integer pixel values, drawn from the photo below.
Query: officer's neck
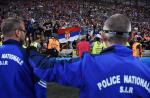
(11, 38)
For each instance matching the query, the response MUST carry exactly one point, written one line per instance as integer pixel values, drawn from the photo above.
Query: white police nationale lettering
(126, 89)
(108, 82)
(4, 62)
(137, 81)
(12, 57)
(126, 79)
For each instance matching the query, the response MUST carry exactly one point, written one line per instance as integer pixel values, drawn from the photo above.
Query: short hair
(117, 28)
(118, 23)
(10, 25)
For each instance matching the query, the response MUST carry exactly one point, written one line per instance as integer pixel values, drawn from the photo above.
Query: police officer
(17, 76)
(114, 73)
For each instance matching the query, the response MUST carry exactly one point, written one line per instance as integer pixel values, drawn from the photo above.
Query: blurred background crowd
(44, 18)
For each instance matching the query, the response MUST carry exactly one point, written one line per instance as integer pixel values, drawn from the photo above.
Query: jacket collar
(118, 49)
(12, 42)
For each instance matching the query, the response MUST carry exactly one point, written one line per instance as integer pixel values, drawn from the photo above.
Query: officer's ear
(105, 38)
(18, 33)
(103, 35)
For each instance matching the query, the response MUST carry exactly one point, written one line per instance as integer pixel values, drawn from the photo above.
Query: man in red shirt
(82, 46)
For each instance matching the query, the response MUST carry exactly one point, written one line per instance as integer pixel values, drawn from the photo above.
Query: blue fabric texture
(146, 60)
(114, 73)
(18, 79)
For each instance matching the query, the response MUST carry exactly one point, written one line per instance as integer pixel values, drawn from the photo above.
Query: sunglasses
(115, 32)
(23, 30)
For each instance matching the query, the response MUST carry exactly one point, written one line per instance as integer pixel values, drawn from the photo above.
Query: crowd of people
(45, 17)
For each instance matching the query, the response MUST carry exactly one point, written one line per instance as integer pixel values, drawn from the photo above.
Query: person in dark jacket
(114, 73)
(17, 76)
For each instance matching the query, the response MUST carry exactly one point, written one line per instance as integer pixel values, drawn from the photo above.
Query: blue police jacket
(17, 77)
(115, 73)
(40, 87)
(146, 60)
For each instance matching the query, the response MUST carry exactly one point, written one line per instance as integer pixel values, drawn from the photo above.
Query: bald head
(117, 23)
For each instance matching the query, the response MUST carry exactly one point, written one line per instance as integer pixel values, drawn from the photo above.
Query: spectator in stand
(82, 46)
(53, 47)
(47, 27)
(37, 43)
(97, 46)
(137, 47)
